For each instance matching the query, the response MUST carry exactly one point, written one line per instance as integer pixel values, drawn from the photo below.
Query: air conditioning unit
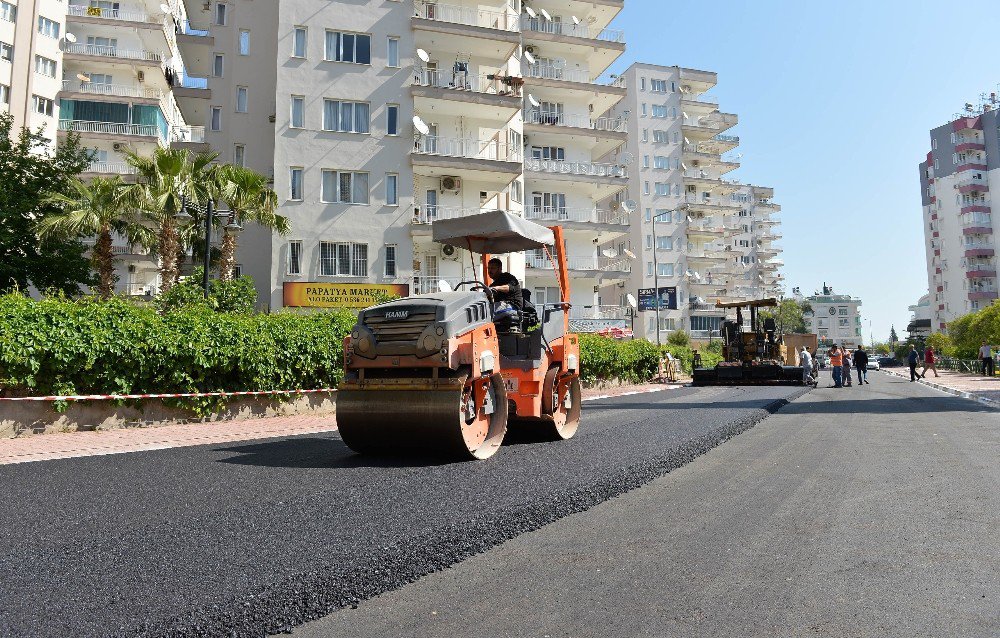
(141, 76)
(530, 48)
(447, 250)
(450, 183)
(272, 118)
(117, 146)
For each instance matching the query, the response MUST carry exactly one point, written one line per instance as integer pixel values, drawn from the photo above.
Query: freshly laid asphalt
(869, 511)
(253, 539)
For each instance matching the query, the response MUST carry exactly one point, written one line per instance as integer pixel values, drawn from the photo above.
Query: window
(239, 155)
(346, 117)
(392, 189)
(216, 124)
(241, 99)
(666, 270)
(344, 187)
(392, 119)
(516, 191)
(645, 188)
(295, 184)
(299, 42)
(48, 27)
(244, 42)
(645, 161)
(662, 188)
(8, 11)
(298, 116)
(348, 47)
(217, 65)
(45, 66)
(659, 161)
(4, 94)
(659, 110)
(842, 311)
(390, 260)
(649, 215)
(392, 52)
(6, 52)
(645, 135)
(934, 141)
(664, 243)
(221, 13)
(343, 259)
(548, 153)
(642, 84)
(644, 109)
(295, 257)
(663, 215)
(661, 137)
(41, 105)
(658, 86)
(649, 269)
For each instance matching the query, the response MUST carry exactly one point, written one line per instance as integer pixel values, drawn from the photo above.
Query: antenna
(629, 205)
(71, 38)
(531, 12)
(530, 58)
(630, 254)
(533, 101)
(545, 14)
(576, 21)
(423, 55)
(631, 300)
(83, 77)
(420, 125)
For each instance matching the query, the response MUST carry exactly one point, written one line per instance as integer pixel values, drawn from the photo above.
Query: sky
(835, 102)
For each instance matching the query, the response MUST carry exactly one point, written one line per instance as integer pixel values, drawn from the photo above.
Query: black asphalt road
(255, 538)
(859, 512)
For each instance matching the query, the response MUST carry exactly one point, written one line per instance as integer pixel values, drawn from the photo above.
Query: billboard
(596, 325)
(667, 297)
(314, 294)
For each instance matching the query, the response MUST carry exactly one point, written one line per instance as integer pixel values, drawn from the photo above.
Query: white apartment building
(713, 238)
(920, 319)
(836, 319)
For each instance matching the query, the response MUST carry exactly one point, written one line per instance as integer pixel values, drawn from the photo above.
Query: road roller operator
(504, 285)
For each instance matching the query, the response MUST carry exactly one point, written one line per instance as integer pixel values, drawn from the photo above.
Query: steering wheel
(477, 285)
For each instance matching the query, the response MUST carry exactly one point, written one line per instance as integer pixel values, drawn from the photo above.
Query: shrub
(632, 361)
(237, 295)
(679, 338)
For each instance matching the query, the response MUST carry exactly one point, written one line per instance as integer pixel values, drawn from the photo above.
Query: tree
(166, 180)
(95, 209)
(251, 200)
(941, 343)
(28, 169)
(893, 337)
(788, 317)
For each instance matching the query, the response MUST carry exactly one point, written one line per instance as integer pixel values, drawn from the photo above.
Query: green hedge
(633, 360)
(57, 346)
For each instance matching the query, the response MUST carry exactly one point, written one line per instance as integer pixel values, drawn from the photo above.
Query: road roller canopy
(756, 303)
(492, 232)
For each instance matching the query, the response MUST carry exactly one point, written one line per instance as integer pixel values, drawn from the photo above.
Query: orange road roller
(447, 372)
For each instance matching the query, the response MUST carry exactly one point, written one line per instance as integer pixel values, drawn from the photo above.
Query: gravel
(254, 539)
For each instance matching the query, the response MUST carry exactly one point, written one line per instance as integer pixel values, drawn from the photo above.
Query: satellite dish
(533, 101)
(531, 12)
(697, 277)
(165, 8)
(631, 300)
(545, 14)
(423, 55)
(530, 58)
(82, 77)
(576, 21)
(686, 140)
(420, 125)
(610, 253)
(444, 286)
(630, 254)
(70, 38)
(689, 219)
(629, 205)
(626, 158)
(688, 273)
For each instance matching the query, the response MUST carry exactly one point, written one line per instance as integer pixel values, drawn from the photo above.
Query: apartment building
(920, 319)
(835, 318)
(955, 180)
(695, 230)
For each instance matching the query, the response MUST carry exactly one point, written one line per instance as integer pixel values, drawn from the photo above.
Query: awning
(493, 232)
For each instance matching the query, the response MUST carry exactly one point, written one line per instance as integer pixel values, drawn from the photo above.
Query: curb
(958, 393)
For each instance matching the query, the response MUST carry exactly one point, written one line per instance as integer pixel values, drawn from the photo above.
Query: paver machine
(751, 356)
(441, 373)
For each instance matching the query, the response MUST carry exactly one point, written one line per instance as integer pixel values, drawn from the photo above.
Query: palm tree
(251, 200)
(166, 180)
(96, 209)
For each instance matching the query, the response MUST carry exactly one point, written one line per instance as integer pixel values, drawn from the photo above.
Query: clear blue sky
(835, 103)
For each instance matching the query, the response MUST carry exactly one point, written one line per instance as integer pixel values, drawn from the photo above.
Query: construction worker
(837, 362)
(806, 361)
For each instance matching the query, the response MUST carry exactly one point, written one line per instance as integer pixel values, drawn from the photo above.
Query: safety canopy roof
(492, 232)
(758, 303)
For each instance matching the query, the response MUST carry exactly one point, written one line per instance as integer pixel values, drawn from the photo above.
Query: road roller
(443, 373)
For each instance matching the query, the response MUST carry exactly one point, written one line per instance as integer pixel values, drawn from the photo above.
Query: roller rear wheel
(561, 404)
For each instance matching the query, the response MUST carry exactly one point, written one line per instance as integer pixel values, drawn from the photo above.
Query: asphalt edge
(958, 393)
(302, 598)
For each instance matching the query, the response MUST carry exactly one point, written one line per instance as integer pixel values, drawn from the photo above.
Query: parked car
(887, 362)
(873, 364)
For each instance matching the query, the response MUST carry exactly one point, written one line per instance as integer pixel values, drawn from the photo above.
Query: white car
(873, 363)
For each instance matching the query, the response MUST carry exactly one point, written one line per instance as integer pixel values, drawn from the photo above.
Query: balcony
(119, 249)
(189, 137)
(191, 33)
(603, 267)
(490, 150)
(980, 272)
(425, 214)
(115, 53)
(707, 182)
(467, 158)
(115, 90)
(422, 284)
(602, 134)
(564, 83)
(718, 144)
(598, 312)
(583, 169)
(189, 86)
(83, 13)
(557, 72)
(110, 168)
(714, 203)
(579, 122)
(595, 180)
(468, 22)
(975, 206)
(531, 25)
(589, 220)
(113, 129)
(460, 91)
(706, 228)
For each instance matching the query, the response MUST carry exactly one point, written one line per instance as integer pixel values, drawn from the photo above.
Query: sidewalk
(46, 447)
(970, 386)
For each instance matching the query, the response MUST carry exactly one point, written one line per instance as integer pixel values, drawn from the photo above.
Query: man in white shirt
(806, 361)
(986, 354)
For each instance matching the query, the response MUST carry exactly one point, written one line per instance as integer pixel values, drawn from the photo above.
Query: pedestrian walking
(806, 361)
(815, 360)
(836, 361)
(861, 363)
(845, 373)
(930, 362)
(912, 359)
(986, 354)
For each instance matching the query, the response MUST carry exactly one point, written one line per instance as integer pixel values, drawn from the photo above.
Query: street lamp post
(656, 268)
(210, 214)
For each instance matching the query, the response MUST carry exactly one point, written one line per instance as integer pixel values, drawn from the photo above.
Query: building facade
(955, 181)
(835, 318)
(920, 319)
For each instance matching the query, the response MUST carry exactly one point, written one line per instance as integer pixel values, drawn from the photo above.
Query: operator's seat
(529, 314)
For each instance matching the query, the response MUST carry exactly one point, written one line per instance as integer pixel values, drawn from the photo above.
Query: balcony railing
(113, 52)
(541, 25)
(471, 16)
(977, 219)
(491, 83)
(471, 149)
(108, 14)
(118, 90)
(614, 124)
(140, 290)
(111, 168)
(191, 82)
(423, 284)
(557, 72)
(710, 201)
(113, 128)
(562, 214)
(187, 134)
(187, 28)
(598, 312)
(588, 169)
(604, 264)
(428, 214)
(727, 138)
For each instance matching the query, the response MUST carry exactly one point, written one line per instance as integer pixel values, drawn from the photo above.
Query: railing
(471, 16)
(598, 312)
(187, 134)
(970, 178)
(108, 14)
(710, 201)
(614, 124)
(191, 82)
(590, 169)
(114, 128)
(727, 138)
(563, 214)
(119, 249)
(186, 28)
(471, 149)
(977, 219)
(702, 100)
(706, 226)
(605, 264)
(541, 25)
(113, 52)
(423, 284)
(121, 90)
(556, 72)
(111, 168)
(492, 83)
(140, 290)
(428, 214)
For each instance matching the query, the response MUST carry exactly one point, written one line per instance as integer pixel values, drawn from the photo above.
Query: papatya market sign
(313, 294)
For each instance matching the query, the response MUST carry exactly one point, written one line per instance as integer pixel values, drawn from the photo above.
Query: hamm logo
(397, 314)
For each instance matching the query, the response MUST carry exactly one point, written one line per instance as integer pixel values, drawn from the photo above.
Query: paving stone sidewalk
(971, 386)
(45, 447)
